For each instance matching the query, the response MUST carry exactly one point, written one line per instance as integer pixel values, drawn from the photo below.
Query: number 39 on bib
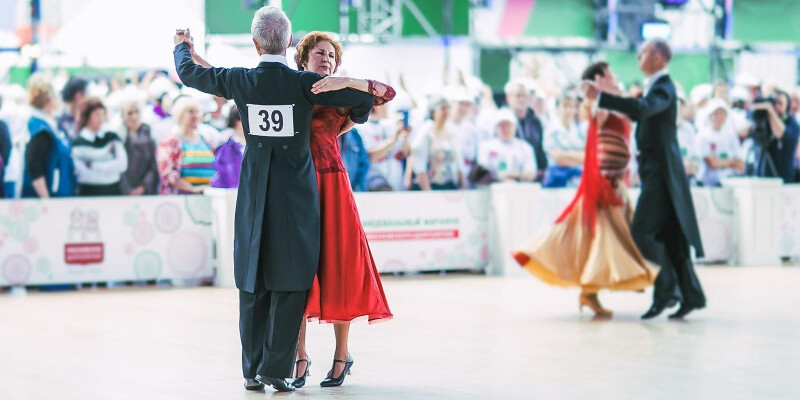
(271, 121)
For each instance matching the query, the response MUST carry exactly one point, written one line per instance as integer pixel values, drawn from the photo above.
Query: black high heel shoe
(300, 381)
(330, 381)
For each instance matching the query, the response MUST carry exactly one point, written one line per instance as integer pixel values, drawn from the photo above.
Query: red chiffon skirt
(347, 285)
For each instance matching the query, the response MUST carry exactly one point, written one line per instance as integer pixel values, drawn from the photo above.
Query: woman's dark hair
(233, 117)
(74, 86)
(89, 106)
(593, 70)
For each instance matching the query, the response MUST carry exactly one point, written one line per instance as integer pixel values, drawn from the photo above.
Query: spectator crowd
(146, 135)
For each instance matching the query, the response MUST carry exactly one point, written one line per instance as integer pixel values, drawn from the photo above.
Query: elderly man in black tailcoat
(277, 225)
(664, 225)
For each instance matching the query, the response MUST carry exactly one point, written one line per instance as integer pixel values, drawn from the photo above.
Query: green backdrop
(766, 20)
(230, 17)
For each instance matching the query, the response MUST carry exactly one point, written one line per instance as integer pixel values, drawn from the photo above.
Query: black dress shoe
(300, 381)
(330, 381)
(658, 307)
(252, 384)
(278, 384)
(683, 311)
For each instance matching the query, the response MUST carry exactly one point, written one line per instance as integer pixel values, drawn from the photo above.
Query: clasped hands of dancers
(294, 200)
(598, 242)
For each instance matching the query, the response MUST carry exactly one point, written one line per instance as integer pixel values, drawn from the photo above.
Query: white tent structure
(104, 33)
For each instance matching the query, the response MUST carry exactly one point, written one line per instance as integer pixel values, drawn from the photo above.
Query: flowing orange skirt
(571, 256)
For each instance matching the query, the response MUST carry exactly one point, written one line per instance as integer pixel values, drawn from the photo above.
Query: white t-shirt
(513, 156)
(439, 157)
(721, 144)
(559, 137)
(373, 133)
(469, 136)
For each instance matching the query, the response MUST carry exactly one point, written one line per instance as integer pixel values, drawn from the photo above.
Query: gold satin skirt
(571, 256)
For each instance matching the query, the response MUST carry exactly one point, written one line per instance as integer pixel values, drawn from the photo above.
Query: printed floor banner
(105, 239)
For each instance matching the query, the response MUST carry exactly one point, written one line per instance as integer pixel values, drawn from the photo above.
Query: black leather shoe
(278, 384)
(658, 307)
(300, 381)
(683, 311)
(252, 384)
(330, 381)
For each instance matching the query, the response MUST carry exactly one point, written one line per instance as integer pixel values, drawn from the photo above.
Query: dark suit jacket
(656, 115)
(277, 211)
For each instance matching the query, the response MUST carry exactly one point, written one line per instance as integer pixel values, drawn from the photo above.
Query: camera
(762, 132)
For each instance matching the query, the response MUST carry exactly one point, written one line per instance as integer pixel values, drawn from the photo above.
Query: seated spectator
(529, 126)
(564, 142)
(228, 157)
(388, 145)
(436, 155)
(49, 171)
(99, 156)
(717, 147)
(185, 158)
(141, 178)
(355, 159)
(506, 157)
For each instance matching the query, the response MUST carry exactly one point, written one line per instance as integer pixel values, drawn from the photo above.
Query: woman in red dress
(590, 245)
(347, 285)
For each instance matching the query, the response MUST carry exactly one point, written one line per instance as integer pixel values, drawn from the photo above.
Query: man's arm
(215, 81)
(360, 103)
(656, 101)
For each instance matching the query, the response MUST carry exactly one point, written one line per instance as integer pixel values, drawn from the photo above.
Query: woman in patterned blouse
(185, 158)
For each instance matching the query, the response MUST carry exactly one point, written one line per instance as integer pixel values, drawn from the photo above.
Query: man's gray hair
(662, 48)
(515, 84)
(271, 29)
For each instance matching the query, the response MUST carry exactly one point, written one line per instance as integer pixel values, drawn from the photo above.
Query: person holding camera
(777, 132)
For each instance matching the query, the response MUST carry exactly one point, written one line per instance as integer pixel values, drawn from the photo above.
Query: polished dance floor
(453, 337)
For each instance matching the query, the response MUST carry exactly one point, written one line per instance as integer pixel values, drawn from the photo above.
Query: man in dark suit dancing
(277, 226)
(664, 224)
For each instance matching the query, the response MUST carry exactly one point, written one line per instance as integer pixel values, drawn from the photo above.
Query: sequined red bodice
(326, 124)
(325, 127)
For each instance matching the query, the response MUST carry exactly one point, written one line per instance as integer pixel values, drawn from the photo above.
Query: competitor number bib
(271, 121)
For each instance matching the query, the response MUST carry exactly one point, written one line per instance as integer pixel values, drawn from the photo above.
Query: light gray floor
(461, 337)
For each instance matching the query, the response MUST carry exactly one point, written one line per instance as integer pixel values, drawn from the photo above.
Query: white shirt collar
(88, 135)
(274, 58)
(653, 78)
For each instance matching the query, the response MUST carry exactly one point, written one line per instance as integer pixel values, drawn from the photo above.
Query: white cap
(701, 92)
(504, 114)
(717, 104)
(739, 93)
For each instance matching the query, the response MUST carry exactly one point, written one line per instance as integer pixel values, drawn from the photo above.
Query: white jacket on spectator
(439, 157)
(100, 159)
(516, 156)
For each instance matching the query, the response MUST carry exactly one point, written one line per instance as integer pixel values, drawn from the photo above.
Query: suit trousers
(658, 235)
(269, 327)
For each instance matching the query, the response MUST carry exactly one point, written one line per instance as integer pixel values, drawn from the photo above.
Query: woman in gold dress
(590, 246)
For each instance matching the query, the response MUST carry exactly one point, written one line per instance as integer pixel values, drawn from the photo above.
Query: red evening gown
(347, 285)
